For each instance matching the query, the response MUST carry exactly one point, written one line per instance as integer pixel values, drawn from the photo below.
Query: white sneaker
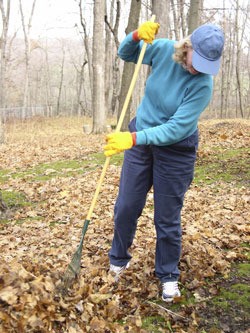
(170, 290)
(116, 271)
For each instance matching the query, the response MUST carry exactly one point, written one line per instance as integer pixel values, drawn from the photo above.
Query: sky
(57, 18)
(52, 18)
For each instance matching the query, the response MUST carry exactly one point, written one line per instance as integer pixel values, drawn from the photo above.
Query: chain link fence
(23, 113)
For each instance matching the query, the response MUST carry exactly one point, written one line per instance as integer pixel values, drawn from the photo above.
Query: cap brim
(205, 66)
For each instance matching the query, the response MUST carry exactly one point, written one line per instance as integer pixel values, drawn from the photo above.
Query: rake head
(74, 266)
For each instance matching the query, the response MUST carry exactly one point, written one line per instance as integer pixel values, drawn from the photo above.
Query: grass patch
(235, 288)
(237, 294)
(246, 247)
(230, 308)
(155, 324)
(100, 158)
(65, 168)
(4, 221)
(14, 199)
(243, 269)
(4, 176)
(47, 171)
(230, 165)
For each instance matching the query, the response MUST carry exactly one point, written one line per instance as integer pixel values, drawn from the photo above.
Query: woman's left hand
(118, 142)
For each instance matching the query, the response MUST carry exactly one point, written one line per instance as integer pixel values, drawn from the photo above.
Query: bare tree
(80, 80)
(175, 20)
(128, 68)
(5, 26)
(161, 10)
(48, 93)
(98, 95)
(26, 32)
(87, 47)
(193, 15)
(61, 81)
(178, 28)
(116, 60)
(239, 36)
(109, 87)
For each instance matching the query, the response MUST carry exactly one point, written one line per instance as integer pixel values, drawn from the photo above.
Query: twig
(167, 310)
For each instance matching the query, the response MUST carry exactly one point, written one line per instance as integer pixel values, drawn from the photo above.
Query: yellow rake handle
(119, 124)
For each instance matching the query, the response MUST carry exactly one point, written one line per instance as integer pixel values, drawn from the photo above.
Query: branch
(173, 314)
(81, 18)
(114, 30)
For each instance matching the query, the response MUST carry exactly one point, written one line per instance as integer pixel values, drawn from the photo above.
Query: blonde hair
(180, 53)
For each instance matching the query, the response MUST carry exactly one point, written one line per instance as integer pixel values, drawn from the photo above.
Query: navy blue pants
(169, 169)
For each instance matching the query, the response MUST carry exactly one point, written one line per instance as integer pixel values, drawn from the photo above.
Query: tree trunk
(193, 15)
(225, 65)
(98, 96)
(88, 53)
(238, 58)
(26, 32)
(128, 68)
(80, 88)
(4, 35)
(108, 57)
(176, 24)
(48, 93)
(116, 61)
(161, 10)
(60, 83)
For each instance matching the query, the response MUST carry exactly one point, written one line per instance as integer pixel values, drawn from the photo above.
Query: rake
(74, 266)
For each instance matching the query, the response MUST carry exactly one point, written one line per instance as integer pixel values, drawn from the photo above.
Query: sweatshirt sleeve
(129, 50)
(183, 122)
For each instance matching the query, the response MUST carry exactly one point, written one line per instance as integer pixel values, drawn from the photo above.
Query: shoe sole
(170, 299)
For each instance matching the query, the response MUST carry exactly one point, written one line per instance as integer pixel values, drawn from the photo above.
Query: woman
(160, 147)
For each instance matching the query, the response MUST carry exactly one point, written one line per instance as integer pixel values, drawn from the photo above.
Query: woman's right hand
(147, 31)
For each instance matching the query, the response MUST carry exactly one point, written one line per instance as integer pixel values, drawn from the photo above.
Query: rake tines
(74, 266)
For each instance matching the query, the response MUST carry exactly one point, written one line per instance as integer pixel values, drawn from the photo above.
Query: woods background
(82, 75)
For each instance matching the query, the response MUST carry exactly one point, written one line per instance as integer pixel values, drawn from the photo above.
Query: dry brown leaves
(35, 254)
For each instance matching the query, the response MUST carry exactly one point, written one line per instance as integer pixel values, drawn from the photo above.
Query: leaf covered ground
(48, 174)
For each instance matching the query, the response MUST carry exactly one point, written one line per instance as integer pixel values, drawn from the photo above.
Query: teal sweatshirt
(173, 99)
